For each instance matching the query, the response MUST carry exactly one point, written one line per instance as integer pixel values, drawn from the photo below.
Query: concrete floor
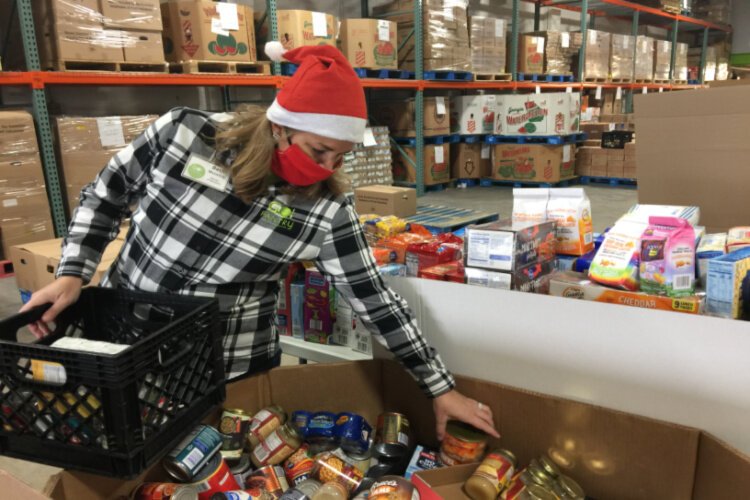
(607, 205)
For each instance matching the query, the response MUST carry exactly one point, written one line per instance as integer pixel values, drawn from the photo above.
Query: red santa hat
(324, 96)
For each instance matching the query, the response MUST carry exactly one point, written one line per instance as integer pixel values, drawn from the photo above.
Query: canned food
(298, 466)
(322, 426)
(462, 444)
(270, 479)
(360, 461)
(165, 491)
(303, 491)
(264, 423)
(353, 432)
(239, 466)
(183, 462)
(392, 435)
(234, 426)
(277, 446)
(238, 495)
(301, 419)
(214, 477)
(329, 467)
(492, 476)
(393, 488)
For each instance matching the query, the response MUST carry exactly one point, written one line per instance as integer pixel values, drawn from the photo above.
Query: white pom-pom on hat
(274, 50)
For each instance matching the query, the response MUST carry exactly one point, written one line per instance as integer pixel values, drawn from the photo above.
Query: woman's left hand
(455, 406)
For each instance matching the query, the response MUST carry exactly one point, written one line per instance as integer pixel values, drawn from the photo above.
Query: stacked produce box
(488, 44)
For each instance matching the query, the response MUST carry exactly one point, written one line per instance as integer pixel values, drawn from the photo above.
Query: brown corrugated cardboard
(531, 54)
(20, 172)
(436, 164)
(533, 162)
(386, 200)
(369, 43)
(82, 167)
(613, 455)
(297, 28)
(192, 31)
(17, 134)
(143, 46)
(23, 230)
(399, 116)
(471, 161)
(12, 487)
(132, 14)
(77, 133)
(23, 202)
(693, 150)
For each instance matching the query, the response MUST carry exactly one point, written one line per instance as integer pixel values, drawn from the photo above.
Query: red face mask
(298, 169)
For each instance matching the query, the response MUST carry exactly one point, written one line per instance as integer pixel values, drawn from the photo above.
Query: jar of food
(277, 447)
(538, 475)
(492, 476)
(568, 489)
(462, 444)
(332, 468)
(549, 466)
(264, 423)
(303, 491)
(392, 488)
(331, 491)
(536, 492)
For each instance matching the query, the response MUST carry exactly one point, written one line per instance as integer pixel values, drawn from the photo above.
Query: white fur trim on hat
(274, 50)
(340, 127)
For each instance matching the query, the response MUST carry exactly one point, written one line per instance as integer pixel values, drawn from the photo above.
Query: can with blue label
(353, 433)
(301, 421)
(322, 426)
(192, 453)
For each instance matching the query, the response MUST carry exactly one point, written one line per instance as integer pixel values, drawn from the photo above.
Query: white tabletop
(319, 353)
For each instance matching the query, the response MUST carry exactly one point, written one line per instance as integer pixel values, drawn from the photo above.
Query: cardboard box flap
(719, 474)
(12, 487)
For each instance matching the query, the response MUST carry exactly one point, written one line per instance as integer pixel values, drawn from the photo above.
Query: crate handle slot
(174, 358)
(9, 327)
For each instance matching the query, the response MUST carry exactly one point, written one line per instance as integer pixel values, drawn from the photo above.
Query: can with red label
(165, 491)
(299, 466)
(214, 477)
(393, 488)
(270, 479)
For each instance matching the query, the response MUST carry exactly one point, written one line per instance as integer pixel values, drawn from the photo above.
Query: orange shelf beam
(15, 78)
(137, 79)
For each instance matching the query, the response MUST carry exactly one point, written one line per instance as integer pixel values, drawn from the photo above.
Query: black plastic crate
(111, 414)
(616, 139)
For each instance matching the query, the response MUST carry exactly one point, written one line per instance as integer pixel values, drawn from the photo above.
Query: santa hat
(324, 96)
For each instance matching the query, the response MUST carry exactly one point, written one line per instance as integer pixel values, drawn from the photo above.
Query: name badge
(204, 172)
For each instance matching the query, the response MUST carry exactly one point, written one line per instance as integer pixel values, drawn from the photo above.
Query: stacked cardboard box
(487, 38)
(644, 60)
(471, 161)
(531, 54)
(555, 113)
(601, 162)
(533, 162)
(98, 31)
(475, 114)
(399, 116)
(369, 43)
(629, 165)
(662, 59)
(201, 30)
(681, 62)
(557, 48)
(24, 209)
(87, 144)
(621, 57)
(370, 163)
(598, 47)
(718, 11)
(436, 160)
(445, 33)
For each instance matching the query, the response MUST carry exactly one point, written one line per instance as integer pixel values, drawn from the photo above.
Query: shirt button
(179, 269)
(219, 222)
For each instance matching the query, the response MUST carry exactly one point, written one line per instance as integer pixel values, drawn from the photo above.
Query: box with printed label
(538, 114)
(474, 115)
(400, 117)
(533, 162)
(301, 28)
(436, 164)
(598, 46)
(208, 31)
(471, 161)
(531, 54)
(509, 246)
(369, 43)
(386, 200)
(532, 278)
(297, 299)
(728, 285)
(319, 308)
(132, 14)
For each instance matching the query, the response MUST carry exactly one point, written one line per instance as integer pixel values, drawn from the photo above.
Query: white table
(310, 351)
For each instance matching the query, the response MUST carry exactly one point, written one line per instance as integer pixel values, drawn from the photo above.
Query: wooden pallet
(440, 186)
(666, 82)
(519, 183)
(644, 80)
(493, 77)
(224, 67)
(621, 80)
(680, 82)
(124, 67)
(595, 80)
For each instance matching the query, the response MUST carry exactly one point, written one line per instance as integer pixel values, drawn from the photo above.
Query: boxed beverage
(662, 59)
(132, 14)
(369, 43)
(487, 41)
(475, 114)
(644, 59)
(668, 257)
(576, 285)
(436, 162)
(399, 116)
(200, 30)
(509, 246)
(728, 285)
(598, 48)
(533, 162)
(531, 54)
(471, 161)
(297, 299)
(621, 57)
(319, 307)
(386, 200)
(301, 28)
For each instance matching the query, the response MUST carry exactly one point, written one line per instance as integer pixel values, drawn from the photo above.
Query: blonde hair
(249, 135)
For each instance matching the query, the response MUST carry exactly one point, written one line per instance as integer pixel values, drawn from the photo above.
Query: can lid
(536, 492)
(465, 432)
(238, 411)
(549, 466)
(538, 475)
(570, 487)
(508, 454)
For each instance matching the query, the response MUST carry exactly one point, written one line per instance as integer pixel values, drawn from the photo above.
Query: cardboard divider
(722, 472)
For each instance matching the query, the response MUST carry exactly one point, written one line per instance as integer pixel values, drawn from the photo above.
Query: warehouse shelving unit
(38, 80)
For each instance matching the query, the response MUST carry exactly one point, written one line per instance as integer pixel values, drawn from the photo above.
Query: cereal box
(728, 286)
(667, 264)
(319, 308)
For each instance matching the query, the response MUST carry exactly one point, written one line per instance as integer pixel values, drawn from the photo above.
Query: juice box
(319, 308)
(667, 264)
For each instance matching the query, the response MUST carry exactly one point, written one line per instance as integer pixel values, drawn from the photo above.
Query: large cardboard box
(471, 161)
(369, 43)
(300, 28)
(193, 30)
(17, 135)
(693, 149)
(132, 14)
(533, 162)
(20, 172)
(597, 54)
(621, 57)
(386, 200)
(475, 114)
(531, 54)
(143, 46)
(23, 230)
(12, 487)
(555, 113)
(436, 164)
(399, 116)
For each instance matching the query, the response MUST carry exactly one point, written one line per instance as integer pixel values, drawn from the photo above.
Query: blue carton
(728, 285)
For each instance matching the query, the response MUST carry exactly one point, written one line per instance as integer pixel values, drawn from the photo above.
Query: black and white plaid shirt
(191, 239)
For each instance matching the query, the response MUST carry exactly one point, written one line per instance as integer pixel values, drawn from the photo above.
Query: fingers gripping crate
(111, 414)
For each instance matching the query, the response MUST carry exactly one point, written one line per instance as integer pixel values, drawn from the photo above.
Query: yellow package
(385, 226)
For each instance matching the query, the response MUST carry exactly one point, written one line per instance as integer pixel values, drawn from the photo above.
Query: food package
(596, 64)
(530, 204)
(644, 212)
(621, 57)
(531, 278)
(505, 245)
(616, 263)
(384, 226)
(444, 248)
(667, 261)
(662, 59)
(319, 308)
(401, 242)
(738, 237)
(728, 285)
(487, 39)
(710, 247)
(450, 271)
(644, 59)
(570, 208)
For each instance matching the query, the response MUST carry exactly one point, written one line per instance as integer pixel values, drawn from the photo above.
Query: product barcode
(588, 238)
(194, 458)
(273, 442)
(403, 438)
(316, 324)
(683, 282)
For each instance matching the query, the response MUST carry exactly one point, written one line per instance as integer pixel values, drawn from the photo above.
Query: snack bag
(617, 261)
(668, 257)
(530, 204)
(385, 226)
(384, 255)
(570, 208)
(445, 248)
(401, 242)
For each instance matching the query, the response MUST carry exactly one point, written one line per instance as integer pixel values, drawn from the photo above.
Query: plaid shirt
(187, 238)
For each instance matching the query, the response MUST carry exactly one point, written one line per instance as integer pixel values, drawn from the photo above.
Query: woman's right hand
(63, 292)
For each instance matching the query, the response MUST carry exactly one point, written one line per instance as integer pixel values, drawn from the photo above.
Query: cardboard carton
(300, 28)
(399, 116)
(533, 162)
(621, 57)
(644, 59)
(20, 172)
(662, 59)
(12, 487)
(488, 41)
(369, 43)
(471, 161)
(23, 202)
(436, 164)
(193, 30)
(509, 246)
(23, 230)
(132, 14)
(386, 200)
(143, 47)
(553, 113)
(597, 54)
(531, 54)
(319, 308)
(472, 115)
(17, 134)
